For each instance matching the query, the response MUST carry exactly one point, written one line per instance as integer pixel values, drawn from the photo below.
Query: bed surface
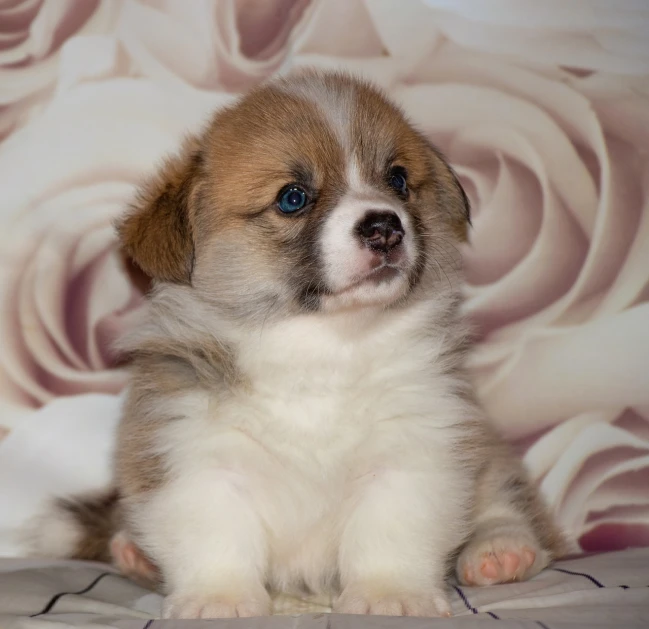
(606, 590)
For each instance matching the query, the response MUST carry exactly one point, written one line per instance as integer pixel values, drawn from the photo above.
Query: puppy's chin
(379, 288)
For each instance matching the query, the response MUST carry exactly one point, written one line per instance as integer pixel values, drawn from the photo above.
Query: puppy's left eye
(292, 200)
(397, 180)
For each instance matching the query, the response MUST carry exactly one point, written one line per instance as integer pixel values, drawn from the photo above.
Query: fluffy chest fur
(317, 389)
(311, 426)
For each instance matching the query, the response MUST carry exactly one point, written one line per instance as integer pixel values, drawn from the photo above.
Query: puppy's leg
(209, 543)
(515, 537)
(395, 544)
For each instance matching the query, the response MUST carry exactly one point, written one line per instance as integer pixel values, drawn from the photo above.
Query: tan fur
(167, 368)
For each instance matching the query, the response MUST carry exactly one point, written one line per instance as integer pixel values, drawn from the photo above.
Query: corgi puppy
(299, 418)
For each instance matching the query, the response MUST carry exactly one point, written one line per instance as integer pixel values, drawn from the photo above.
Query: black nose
(380, 231)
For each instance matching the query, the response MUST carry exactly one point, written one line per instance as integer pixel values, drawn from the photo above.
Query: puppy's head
(312, 193)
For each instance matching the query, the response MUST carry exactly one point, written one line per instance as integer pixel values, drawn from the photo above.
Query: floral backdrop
(542, 107)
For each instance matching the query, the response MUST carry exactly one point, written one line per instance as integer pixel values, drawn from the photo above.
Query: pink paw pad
(497, 561)
(506, 566)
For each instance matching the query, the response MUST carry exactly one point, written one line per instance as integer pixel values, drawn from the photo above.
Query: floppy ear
(156, 233)
(453, 198)
(465, 207)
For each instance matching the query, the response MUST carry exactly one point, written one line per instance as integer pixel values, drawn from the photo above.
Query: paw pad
(499, 560)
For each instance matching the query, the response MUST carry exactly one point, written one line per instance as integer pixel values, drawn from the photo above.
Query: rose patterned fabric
(543, 108)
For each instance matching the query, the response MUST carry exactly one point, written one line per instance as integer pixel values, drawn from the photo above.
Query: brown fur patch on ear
(138, 278)
(461, 226)
(465, 200)
(454, 199)
(157, 231)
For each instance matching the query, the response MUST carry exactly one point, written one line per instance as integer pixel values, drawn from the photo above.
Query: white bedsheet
(607, 590)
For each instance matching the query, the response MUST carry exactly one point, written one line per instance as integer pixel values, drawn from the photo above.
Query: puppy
(299, 417)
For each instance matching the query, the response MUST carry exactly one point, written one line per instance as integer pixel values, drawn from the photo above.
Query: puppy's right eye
(292, 200)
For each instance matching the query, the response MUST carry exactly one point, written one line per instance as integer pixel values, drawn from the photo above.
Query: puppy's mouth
(382, 274)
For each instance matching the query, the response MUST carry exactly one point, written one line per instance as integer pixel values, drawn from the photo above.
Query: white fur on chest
(326, 410)
(315, 398)
(312, 374)
(321, 405)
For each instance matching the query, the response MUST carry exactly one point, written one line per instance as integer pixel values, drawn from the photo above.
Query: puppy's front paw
(217, 605)
(391, 600)
(501, 558)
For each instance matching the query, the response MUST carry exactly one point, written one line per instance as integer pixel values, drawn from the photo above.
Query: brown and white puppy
(299, 416)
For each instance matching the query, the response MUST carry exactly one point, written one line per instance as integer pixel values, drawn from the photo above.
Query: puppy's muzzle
(381, 232)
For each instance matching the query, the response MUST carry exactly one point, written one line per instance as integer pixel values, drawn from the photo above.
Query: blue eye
(397, 181)
(292, 200)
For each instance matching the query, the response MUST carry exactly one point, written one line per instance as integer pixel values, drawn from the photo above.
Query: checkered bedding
(608, 590)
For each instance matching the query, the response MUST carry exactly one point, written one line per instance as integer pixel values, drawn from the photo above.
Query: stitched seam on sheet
(580, 574)
(470, 607)
(53, 601)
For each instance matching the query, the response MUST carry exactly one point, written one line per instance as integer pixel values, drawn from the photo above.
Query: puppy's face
(312, 193)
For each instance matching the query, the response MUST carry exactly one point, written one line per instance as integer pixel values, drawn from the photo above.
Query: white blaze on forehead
(335, 105)
(356, 185)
